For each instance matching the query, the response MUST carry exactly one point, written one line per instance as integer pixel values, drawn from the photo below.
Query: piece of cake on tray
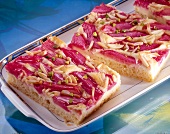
(62, 80)
(155, 9)
(131, 45)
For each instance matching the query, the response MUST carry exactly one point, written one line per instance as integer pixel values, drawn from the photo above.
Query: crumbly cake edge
(132, 70)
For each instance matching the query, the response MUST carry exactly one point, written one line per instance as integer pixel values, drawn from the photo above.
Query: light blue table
(22, 21)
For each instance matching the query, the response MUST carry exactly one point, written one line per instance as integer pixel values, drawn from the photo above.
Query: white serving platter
(129, 90)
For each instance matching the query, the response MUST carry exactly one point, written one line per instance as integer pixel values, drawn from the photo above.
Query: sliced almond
(82, 67)
(143, 59)
(166, 17)
(106, 84)
(32, 80)
(134, 43)
(32, 53)
(121, 16)
(92, 17)
(29, 53)
(85, 94)
(77, 108)
(46, 90)
(29, 67)
(43, 53)
(91, 45)
(106, 38)
(74, 80)
(155, 35)
(93, 92)
(46, 61)
(89, 64)
(105, 69)
(98, 77)
(57, 41)
(81, 31)
(164, 45)
(67, 69)
(134, 16)
(103, 45)
(115, 46)
(148, 28)
(154, 7)
(42, 67)
(44, 76)
(138, 27)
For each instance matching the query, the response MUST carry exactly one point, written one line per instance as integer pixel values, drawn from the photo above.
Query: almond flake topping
(89, 64)
(166, 17)
(77, 108)
(106, 83)
(92, 17)
(102, 44)
(21, 75)
(39, 52)
(121, 16)
(46, 61)
(42, 67)
(32, 80)
(138, 27)
(164, 45)
(54, 93)
(147, 58)
(134, 16)
(32, 53)
(29, 67)
(98, 77)
(85, 95)
(115, 46)
(148, 28)
(147, 21)
(73, 79)
(43, 53)
(58, 42)
(93, 91)
(60, 53)
(44, 76)
(105, 69)
(67, 68)
(82, 67)
(143, 59)
(45, 91)
(150, 39)
(154, 7)
(133, 43)
(91, 45)
(106, 38)
(81, 31)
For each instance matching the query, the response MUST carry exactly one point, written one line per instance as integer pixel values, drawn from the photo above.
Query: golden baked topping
(29, 67)
(58, 43)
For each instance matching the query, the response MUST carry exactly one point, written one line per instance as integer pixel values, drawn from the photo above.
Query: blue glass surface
(22, 21)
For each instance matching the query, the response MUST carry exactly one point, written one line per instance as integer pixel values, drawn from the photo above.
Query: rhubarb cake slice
(127, 43)
(155, 9)
(62, 80)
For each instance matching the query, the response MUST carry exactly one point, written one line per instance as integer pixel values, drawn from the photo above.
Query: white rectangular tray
(129, 90)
